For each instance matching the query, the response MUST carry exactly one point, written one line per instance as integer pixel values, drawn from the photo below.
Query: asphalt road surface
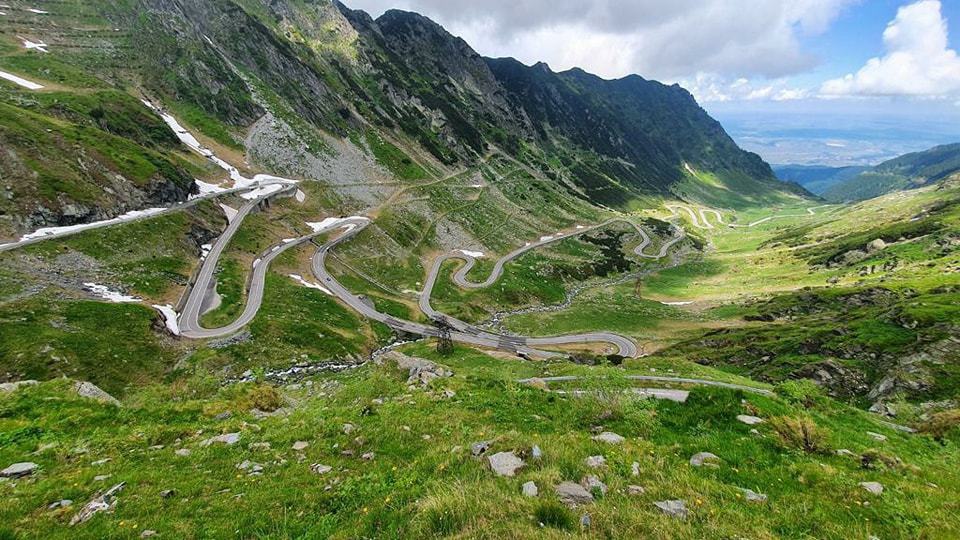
(459, 331)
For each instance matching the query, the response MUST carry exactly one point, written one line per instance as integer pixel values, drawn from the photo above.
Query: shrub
(555, 515)
(800, 391)
(615, 359)
(264, 397)
(584, 359)
(872, 458)
(800, 433)
(940, 424)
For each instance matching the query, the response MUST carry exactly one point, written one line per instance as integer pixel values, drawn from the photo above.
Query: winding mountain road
(262, 187)
(701, 222)
(190, 317)
(460, 277)
(460, 331)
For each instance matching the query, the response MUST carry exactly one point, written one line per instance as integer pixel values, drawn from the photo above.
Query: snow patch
(169, 318)
(231, 213)
(49, 231)
(104, 292)
(301, 196)
(474, 254)
(41, 46)
(310, 284)
(187, 138)
(261, 192)
(29, 85)
(206, 189)
(332, 222)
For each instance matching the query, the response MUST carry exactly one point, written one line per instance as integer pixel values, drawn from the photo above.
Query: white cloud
(918, 61)
(654, 38)
(709, 88)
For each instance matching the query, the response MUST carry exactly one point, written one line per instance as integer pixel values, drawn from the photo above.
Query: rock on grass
(675, 509)
(704, 458)
(530, 489)
(228, 439)
(573, 494)
(505, 463)
(18, 470)
(91, 391)
(609, 437)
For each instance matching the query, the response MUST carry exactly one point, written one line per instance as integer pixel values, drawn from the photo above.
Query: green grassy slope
(905, 172)
(421, 481)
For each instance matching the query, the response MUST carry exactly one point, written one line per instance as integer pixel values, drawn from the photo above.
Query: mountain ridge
(330, 74)
(848, 184)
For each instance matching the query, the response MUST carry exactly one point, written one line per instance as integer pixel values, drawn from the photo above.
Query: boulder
(753, 496)
(877, 436)
(14, 386)
(99, 503)
(573, 494)
(250, 467)
(883, 409)
(505, 463)
(592, 482)
(874, 488)
(420, 371)
(595, 462)
(609, 437)
(750, 420)
(479, 448)
(676, 509)
(704, 458)
(529, 489)
(300, 446)
(183, 452)
(876, 245)
(635, 490)
(18, 470)
(635, 469)
(228, 439)
(91, 391)
(318, 468)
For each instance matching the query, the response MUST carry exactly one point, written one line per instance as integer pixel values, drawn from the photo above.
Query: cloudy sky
(892, 62)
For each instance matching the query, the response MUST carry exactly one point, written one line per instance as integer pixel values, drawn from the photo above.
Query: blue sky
(807, 81)
(856, 36)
